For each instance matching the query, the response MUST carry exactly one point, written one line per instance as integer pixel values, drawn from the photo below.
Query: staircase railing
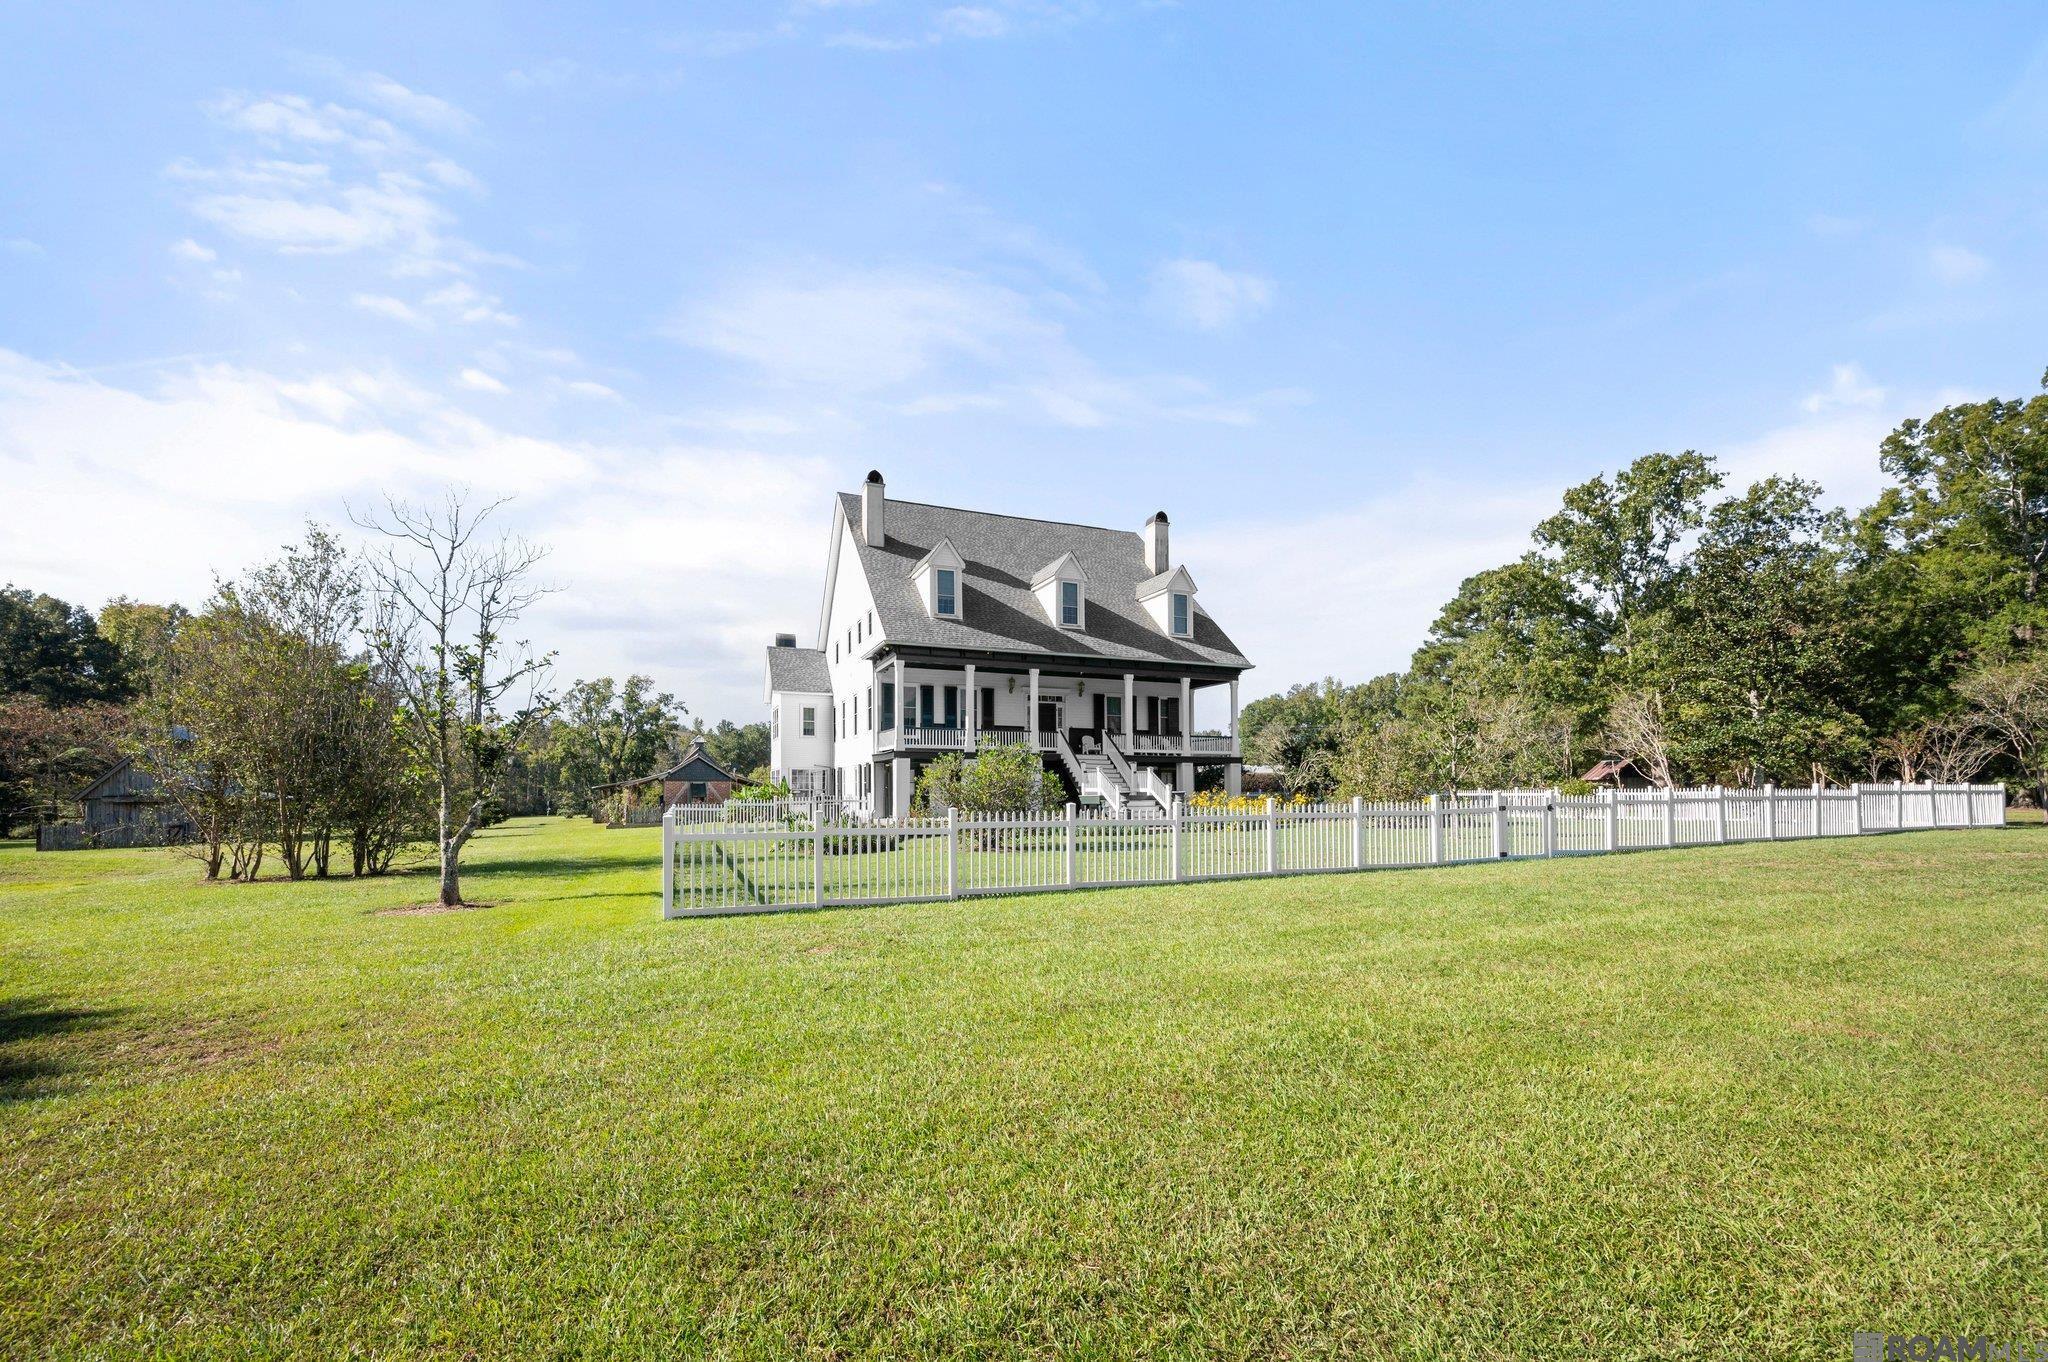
(1140, 779)
(1089, 780)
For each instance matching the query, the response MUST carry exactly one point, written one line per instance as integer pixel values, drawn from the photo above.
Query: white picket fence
(796, 862)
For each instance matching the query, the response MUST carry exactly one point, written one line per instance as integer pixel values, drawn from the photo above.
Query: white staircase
(1103, 779)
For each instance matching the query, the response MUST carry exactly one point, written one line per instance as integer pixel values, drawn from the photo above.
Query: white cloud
(20, 245)
(865, 330)
(423, 110)
(481, 381)
(972, 21)
(397, 309)
(192, 252)
(1957, 264)
(584, 387)
(962, 340)
(468, 303)
(1848, 386)
(207, 469)
(1204, 295)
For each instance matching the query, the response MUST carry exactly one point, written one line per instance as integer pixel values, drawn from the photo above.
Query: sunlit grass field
(1729, 1101)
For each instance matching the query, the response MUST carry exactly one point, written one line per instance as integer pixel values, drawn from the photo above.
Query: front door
(1052, 713)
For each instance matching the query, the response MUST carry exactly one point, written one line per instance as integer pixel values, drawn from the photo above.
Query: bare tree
(445, 597)
(2011, 702)
(1955, 750)
(1635, 730)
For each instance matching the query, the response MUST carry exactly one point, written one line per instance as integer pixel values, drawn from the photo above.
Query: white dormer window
(1169, 599)
(937, 579)
(1062, 590)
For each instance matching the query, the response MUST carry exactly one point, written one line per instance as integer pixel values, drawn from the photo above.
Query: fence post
(818, 859)
(952, 854)
(1612, 837)
(1969, 806)
(1670, 815)
(1272, 835)
(1436, 832)
(1770, 812)
(1855, 810)
(1071, 859)
(1550, 824)
(1357, 833)
(668, 862)
(1174, 874)
(1500, 827)
(1898, 806)
(1720, 813)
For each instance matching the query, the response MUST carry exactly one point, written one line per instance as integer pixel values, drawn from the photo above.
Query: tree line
(332, 710)
(1706, 634)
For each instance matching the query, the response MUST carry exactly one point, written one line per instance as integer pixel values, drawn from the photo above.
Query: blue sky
(1351, 292)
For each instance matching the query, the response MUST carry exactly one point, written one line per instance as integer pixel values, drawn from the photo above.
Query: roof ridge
(1003, 515)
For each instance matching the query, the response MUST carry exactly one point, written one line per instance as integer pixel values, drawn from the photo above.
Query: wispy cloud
(1957, 264)
(1204, 295)
(20, 245)
(929, 341)
(1848, 386)
(397, 309)
(479, 381)
(319, 177)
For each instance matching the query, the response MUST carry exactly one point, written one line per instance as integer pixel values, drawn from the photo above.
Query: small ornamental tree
(1000, 778)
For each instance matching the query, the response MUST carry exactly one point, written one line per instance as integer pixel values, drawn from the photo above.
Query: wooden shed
(695, 779)
(126, 808)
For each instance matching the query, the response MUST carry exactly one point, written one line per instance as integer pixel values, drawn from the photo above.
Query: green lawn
(1728, 1101)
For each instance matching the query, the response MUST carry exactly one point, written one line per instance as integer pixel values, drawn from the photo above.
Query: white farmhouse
(946, 630)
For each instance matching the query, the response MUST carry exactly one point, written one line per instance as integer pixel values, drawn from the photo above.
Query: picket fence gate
(797, 859)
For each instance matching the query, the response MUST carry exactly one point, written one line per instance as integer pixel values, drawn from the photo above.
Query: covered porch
(1133, 717)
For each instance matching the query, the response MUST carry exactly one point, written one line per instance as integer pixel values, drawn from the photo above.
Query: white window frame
(1080, 620)
(939, 593)
(1180, 610)
(810, 721)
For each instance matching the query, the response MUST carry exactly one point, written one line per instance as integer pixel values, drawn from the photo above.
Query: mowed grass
(1730, 1101)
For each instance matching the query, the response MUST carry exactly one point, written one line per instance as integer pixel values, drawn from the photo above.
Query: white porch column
(1236, 749)
(1233, 779)
(1184, 777)
(972, 700)
(1031, 720)
(899, 780)
(1130, 708)
(1187, 716)
(902, 706)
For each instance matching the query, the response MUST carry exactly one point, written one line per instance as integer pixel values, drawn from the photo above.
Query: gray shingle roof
(998, 610)
(798, 669)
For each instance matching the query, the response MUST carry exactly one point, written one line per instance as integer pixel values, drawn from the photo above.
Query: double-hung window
(1180, 613)
(810, 721)
(946, 593)
(1070, 605)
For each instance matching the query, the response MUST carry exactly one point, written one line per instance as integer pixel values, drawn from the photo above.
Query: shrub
(1001, 778)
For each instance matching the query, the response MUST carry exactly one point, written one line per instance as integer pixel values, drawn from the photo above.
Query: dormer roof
(1065, 567)
(941, 554)
(1173, 579)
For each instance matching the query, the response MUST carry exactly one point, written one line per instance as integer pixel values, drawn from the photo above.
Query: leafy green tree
(142, 634)
(55, 652)
(1617, 543)
(1973, 499)
(739, 748)
(1759, 652)
(48, 753)
(604, 733)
